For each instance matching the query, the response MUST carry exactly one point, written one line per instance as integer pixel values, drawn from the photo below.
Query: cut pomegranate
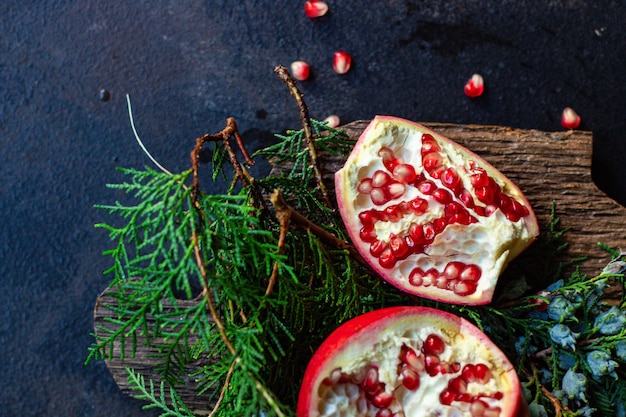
(315, 8)
(410, 361)
(300, 70)
(475, 86)
(342, 62)
(429, 216)
(569, 118)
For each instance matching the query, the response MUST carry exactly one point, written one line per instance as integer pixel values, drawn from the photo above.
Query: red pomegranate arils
(315, 8)
(475, 86)
(569, 118)
(300, 70)
(342, 62)
(410, 378)
(434, 345)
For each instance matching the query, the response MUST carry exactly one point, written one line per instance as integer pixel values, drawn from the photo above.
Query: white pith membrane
(342, 393)
(489, 241)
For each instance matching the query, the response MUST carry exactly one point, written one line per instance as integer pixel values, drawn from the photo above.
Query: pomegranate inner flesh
(418, 374)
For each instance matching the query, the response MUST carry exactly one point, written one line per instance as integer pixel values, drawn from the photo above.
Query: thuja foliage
(235, 290)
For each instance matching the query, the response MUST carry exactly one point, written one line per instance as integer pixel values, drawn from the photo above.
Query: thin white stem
(143, 148)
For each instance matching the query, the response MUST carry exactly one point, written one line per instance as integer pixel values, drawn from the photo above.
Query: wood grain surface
(549, 167)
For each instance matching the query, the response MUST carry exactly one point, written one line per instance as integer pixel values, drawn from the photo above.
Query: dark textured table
(187, 66)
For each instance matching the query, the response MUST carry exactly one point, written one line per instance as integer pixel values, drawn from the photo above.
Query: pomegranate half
(407, 362)
(431, 217)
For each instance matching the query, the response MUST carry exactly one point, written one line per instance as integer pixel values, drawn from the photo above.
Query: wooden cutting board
(549, 167)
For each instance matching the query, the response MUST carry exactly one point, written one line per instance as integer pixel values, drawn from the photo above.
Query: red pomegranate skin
(358, 337)
(440, 186)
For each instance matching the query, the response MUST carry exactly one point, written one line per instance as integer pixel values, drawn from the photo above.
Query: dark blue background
(188, 65)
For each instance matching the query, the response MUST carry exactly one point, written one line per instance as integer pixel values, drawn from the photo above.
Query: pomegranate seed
(389, 159)
(404, 172)
(315, 8)
(431, 162)
(471, 273)
(368, 234)
(481, 179)
(462, 217)
(450, 178)
(446, 397)
(490, 209)
(410, 378)
(387, 259)
(416, 231)
(467, 199)
(378, 196)
(380, 179)
(478, 407)
(300, 70)
(333, 378)
(370, 382)
(430, 276)
(458, 385)
(332, 121)
(429, 144)
(418, 206)
(453, 270)
(519, 209)
(468, 373)
(383, 399)
(512, 217)
(505, 204)
(342, 62)
(365, 186)
(431, 363)
(393, 213)
(429, 232)
(441, 282)
(434, 345)
(377, 248)
(482, 372)
(416, 277)
(439, 224)
(475, 86)
(464, 288)
(442, 196)
(398, 247)
(451, 284)
(569, 118)
(427, 187)
(395, 190)
(411, 358)
(368, 218)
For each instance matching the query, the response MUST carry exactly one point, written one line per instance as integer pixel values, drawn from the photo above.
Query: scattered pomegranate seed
(475, 86)
(300, 70)
(332, 121)
(341, 62)
(315, 8)
(570, 119)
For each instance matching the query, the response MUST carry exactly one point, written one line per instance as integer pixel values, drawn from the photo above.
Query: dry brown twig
(309, 137)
